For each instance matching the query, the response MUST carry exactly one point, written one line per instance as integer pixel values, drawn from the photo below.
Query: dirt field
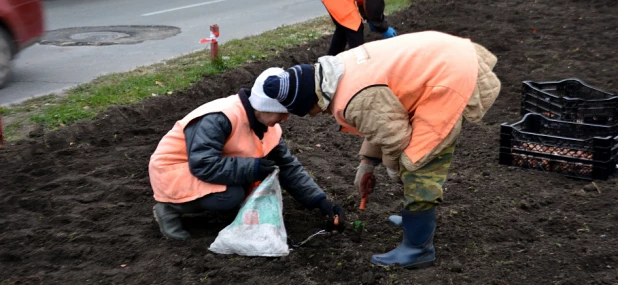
(77, 206)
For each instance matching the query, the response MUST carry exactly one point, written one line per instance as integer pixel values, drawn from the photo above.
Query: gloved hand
(367, 165)
(394, 175)
(335, 218)
(389, 33)
(263, 167)
(392, 168)
(368, 182)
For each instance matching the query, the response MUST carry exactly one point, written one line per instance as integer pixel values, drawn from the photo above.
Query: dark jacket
(206, 137)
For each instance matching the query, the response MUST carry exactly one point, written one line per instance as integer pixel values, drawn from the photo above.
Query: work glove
(390, 32)
(335, 218)
(263, 167)
(392, 169)
(367, 184)
(394, 175)
(367, 165)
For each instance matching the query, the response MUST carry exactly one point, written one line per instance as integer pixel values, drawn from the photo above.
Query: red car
(21, 25)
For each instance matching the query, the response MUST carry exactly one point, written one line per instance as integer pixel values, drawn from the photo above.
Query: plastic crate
(577, 150)
(570, 100)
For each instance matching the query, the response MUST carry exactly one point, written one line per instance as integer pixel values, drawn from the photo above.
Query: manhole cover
(110, 35)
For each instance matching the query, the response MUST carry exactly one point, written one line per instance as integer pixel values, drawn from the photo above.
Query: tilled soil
(77, 205)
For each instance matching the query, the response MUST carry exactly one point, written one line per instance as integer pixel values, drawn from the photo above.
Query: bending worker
(212, 157)
(407, 96)
(349, 23)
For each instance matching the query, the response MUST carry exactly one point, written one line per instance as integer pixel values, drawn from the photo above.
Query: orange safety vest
(169, 172)
(345, 13)
(433, 74)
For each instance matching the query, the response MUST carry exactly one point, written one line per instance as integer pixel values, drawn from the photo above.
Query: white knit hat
(259, 100)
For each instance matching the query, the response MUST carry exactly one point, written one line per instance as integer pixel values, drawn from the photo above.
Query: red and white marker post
(214, 44)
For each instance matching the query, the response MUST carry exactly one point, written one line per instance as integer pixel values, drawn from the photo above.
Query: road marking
(180, 8)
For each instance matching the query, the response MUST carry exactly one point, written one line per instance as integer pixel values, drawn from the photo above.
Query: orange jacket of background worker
(345, 12)
(348, 17)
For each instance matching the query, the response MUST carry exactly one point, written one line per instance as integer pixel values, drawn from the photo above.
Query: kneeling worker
(212, 157)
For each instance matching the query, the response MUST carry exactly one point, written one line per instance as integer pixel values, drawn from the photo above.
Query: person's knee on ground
(168, 215)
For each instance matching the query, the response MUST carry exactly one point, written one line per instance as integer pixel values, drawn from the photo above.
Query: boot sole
(420, 265)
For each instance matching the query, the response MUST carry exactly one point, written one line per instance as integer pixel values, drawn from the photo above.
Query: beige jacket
(391, 134)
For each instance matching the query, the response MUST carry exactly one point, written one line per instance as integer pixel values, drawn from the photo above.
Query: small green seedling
(359, 226)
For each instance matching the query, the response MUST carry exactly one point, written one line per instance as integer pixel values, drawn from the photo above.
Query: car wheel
(6, 55)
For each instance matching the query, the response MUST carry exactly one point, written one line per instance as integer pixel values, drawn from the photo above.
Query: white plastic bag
(258, 229)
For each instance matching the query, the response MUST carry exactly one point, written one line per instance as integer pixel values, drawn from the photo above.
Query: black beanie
(294, 89)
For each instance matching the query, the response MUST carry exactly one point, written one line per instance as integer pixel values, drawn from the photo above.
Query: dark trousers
(343, 36)
(227, 200)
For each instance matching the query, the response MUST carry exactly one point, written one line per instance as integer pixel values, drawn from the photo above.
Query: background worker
(409, 108)
(213, 156)
(348, 18)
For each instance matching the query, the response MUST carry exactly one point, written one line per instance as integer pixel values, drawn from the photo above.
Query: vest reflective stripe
(433, 75)
(170, 177)
(345, 13)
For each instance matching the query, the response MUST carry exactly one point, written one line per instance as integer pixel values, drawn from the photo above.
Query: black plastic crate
(577, 150)
(570, 100)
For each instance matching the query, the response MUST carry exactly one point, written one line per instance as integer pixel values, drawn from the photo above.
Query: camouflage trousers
(423, 188)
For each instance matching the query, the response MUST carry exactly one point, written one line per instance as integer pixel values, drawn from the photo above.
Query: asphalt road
(44, 69)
